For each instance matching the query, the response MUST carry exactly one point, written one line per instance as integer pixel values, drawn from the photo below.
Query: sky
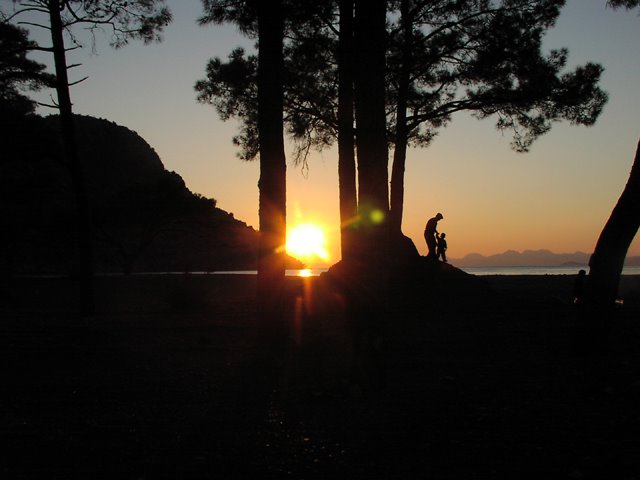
(557, 197)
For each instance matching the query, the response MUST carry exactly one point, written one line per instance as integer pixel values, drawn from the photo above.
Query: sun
(307, 242)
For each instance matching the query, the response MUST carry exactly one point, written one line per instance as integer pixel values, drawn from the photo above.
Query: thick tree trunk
(608, 257)
(346, 144)
(83, 232)
(272, 184)
(369, 281)
(263, 368)
(373, 190)
(598, 306)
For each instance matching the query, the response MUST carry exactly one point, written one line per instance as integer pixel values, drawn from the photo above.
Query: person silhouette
(430, 232)
(578, 287)
(441, 246)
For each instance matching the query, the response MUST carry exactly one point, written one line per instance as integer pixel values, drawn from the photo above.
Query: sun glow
(305, 272)
(307, 242)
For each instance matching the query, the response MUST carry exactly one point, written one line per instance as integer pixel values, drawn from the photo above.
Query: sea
(314, 272)
(480, 271)
(528, 270)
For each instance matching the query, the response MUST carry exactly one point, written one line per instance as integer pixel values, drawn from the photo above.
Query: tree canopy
(628, 4)
(122, 20)
(18, 74)
(484, 57)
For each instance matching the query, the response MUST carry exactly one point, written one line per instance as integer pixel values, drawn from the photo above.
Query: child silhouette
(441, 246)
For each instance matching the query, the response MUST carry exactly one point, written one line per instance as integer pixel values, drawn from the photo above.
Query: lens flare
(377, 216)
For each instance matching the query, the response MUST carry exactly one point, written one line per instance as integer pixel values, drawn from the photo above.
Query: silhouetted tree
(443, 57)
(607, 261)
(18, 75)
(273, 167)
(371, 139)
(346, 142)
(628, 4)
(231, 87)
(486, 58)
(259, 88)
(125, 20)
(401, 133)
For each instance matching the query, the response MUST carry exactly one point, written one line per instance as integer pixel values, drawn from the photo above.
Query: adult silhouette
(430, 232)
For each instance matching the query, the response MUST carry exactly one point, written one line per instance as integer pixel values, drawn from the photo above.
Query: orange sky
(558, 196)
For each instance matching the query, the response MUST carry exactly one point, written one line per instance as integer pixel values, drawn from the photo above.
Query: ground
(167, 380)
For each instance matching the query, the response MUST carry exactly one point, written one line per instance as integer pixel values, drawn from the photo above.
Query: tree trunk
(598, 306)
(83, 231)
(263, 369)
(272, 184)
(368, 286)
(373, 190)
(608, 257)
(401, 134)
(346, 152)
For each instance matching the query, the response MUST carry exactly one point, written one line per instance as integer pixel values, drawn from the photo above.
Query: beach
(165, 381)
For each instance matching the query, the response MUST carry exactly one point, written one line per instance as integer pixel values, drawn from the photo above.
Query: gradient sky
(558, 196)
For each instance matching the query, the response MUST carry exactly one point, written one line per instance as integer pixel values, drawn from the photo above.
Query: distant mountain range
(530, 258)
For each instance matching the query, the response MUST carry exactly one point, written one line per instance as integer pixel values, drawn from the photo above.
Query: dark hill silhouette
(145, 218)
(117, 157)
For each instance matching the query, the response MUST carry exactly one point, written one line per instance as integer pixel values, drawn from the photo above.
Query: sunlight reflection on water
(303, 272)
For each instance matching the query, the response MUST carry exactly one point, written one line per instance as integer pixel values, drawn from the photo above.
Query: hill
(144, 217)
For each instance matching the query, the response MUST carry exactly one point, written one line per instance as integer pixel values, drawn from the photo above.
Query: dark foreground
(163, 383)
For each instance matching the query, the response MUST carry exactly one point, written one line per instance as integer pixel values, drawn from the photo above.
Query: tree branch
(24, 10)
(48, 105)
(38, 48)
(31, 24)
(78, 81)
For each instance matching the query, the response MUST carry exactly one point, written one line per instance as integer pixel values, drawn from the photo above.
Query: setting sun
(307, 242)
